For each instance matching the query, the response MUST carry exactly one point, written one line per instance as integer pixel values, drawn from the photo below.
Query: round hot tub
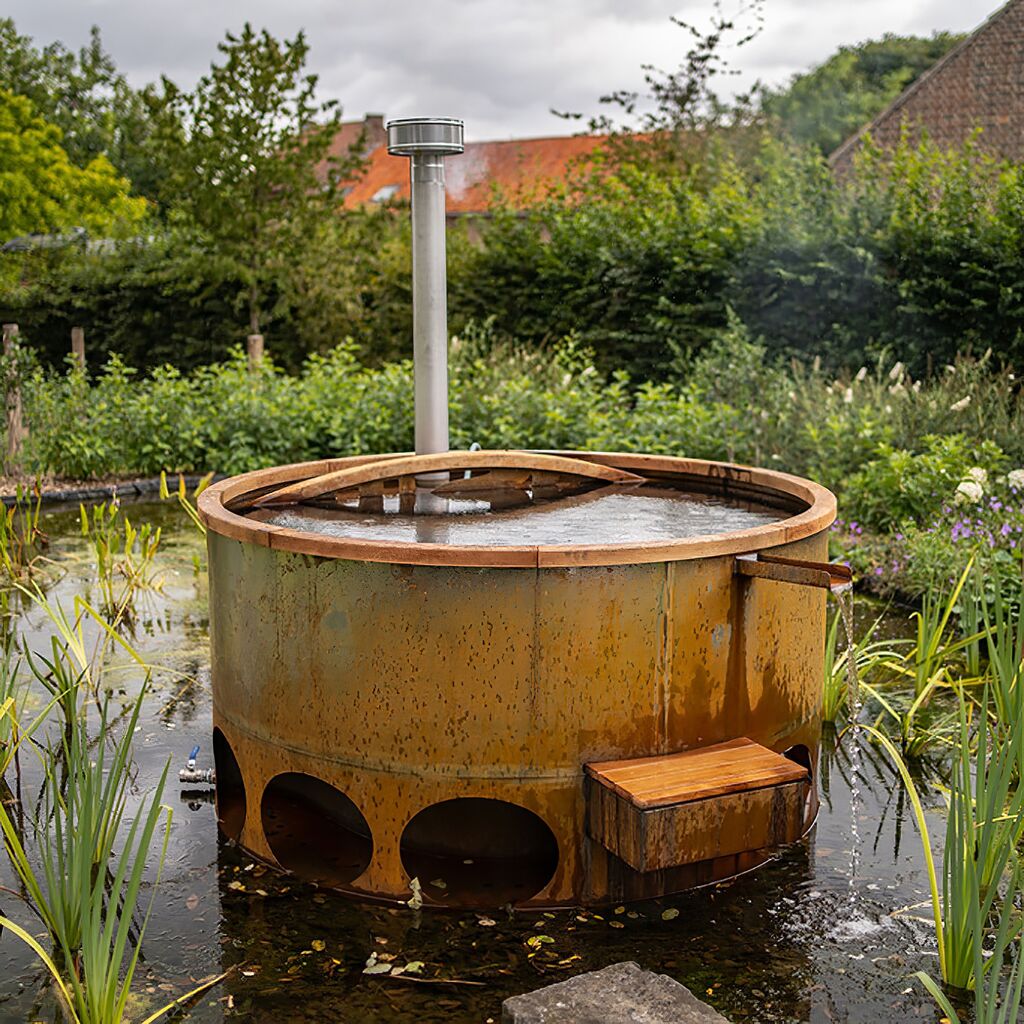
(415, 662)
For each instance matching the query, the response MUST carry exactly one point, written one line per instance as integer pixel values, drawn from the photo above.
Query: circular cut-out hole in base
(314, 830)
(479, 852)
(230, 787)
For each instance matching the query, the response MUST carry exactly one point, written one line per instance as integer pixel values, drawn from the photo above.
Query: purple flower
(878, 570)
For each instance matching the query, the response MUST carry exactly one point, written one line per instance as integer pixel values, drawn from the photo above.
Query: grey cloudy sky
(499, 64)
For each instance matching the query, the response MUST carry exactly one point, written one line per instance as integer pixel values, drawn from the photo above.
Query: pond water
(829, 931)
(606, 516)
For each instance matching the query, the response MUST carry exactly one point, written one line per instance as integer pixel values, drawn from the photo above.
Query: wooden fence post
(12, 400)
(254, 346)
(78, 346)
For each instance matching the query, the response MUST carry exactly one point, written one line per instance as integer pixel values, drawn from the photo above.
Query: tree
(42, 191)
(826, 105)
(249, 168)
(84, 95)
(674, 115)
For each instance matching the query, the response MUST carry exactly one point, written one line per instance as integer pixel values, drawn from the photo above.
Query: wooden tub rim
(819, 515)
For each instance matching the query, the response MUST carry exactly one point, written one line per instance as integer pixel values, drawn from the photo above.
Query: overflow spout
(828, 575)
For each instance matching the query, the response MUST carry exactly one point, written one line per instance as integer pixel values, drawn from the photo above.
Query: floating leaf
(319, 945)
(486, 922)
(536, 941)
(439, 883)
(669, 915)
(379, 968)
(414, 967)
(616, 924)
(415, 902)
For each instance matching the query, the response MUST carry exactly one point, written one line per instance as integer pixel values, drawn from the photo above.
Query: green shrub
(900, 485)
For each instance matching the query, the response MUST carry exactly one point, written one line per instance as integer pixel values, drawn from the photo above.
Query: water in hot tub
(609, 515)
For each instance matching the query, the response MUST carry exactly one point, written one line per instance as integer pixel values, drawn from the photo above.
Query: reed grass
(868, 656)
(84, 875)
(181, 494)
(995, 1001)
(125, 557)
(22, 541)
(985, 813)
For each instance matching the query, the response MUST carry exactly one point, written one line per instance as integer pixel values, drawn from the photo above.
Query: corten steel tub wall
(405, 684)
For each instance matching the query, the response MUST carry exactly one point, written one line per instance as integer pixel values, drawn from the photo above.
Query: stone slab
(620, 994)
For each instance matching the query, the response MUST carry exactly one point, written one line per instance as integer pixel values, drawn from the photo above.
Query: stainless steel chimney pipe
(427, 141)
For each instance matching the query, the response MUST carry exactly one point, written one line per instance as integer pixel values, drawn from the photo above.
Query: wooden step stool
(673, 809)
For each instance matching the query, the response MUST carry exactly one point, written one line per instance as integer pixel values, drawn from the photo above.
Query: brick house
(978, 84)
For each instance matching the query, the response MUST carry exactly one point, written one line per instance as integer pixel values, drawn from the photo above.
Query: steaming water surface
(611, 516)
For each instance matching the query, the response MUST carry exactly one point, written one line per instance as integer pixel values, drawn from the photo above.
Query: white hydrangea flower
(969, 490)
(978, 475)
(1015, 478)
(961, 405)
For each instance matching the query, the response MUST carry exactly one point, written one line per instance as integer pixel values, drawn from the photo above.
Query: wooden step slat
(739, 764)
(673, 809)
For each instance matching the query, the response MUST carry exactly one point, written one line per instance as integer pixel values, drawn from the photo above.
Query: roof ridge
(840, 151)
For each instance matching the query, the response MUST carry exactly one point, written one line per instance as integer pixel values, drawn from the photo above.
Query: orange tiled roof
(522, 168)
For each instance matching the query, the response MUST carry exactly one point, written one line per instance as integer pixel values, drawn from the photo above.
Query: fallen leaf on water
(236, 885)
(192, 902)
(486, 922)
(616, 924)
(439, 883)
(415, 902)
(378, 968)
(414, 967)
(620, 910)
(536, 941)
(319, 945)
(670, 914)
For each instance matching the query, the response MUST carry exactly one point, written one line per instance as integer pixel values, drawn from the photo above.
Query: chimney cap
(408, 136)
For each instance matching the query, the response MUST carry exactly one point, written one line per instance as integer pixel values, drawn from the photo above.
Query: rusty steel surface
(405, 685)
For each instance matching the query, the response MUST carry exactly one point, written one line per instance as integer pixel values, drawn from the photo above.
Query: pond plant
(125, 557)
(82, 860)
(21, 540)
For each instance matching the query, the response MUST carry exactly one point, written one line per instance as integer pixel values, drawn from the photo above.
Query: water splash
(855, 702)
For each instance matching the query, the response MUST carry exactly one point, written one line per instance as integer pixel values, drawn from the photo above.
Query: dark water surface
(799, 940)
(608, 516)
